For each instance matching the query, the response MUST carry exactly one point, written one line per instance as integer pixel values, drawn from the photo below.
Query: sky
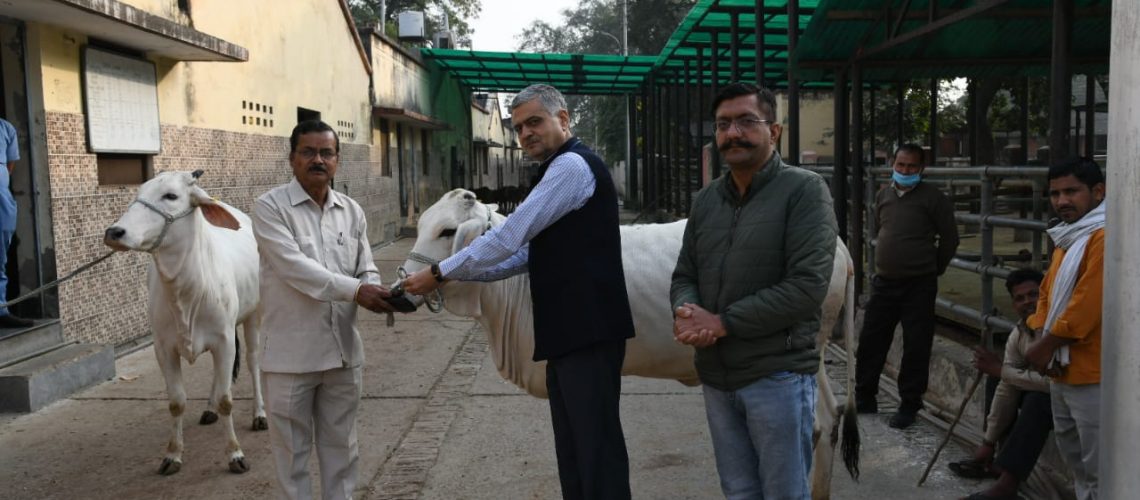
(501, 20)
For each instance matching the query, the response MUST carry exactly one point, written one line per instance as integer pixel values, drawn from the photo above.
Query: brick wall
(107, 304)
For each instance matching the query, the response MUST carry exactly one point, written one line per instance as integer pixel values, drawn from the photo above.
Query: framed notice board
(120, 97)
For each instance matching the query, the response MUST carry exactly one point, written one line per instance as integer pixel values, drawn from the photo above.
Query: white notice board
(121, 99)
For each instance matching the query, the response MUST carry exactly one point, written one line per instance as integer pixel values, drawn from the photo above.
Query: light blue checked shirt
(502, 251)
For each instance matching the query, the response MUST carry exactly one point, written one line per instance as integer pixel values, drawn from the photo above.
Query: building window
(123, 169)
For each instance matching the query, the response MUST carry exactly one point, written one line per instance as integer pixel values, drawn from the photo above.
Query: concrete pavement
(436, 422)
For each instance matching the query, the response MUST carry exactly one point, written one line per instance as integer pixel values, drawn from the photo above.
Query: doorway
(31, 260)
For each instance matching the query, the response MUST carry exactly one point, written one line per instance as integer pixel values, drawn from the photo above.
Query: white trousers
(320, 405)
(1076, 425)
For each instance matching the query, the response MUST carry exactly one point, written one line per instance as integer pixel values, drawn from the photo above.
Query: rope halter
(165, 216)
(433, 300)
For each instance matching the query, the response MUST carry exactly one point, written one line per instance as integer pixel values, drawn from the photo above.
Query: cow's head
(448, 226)
(163, 202)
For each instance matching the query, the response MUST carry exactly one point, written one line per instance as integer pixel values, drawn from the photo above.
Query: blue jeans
(5, 240)
(762, 437)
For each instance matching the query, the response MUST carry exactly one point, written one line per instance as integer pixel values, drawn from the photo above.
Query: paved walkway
(436, 422)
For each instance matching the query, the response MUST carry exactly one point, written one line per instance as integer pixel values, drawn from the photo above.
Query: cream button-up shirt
(313, 260)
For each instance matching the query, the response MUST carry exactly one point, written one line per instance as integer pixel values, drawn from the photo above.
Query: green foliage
(595, 27)
(367, 13)
(915, 113)
(1002, 99)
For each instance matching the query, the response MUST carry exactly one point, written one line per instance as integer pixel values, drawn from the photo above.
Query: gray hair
(551, 99)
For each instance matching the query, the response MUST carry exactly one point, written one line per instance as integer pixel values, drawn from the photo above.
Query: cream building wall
(402, 77)
(301, 55)
(817, 117)
(502, 158)
(423, 128)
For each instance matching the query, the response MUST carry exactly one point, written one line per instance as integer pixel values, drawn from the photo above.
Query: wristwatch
(436, 274)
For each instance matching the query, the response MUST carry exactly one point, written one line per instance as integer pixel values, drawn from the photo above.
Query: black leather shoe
(901, 420)
(9, 321)
(866, 406)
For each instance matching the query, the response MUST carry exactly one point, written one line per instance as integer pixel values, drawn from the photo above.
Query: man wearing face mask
(916, 239)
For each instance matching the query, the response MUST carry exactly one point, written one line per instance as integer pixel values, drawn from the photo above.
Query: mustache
(318, 168)
(736, 143)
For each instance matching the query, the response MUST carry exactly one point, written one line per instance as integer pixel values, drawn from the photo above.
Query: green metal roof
(693, 41)
(891, 40)
(974, 38)
(569, 73)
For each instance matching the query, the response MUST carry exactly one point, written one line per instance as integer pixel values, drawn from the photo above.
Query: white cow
(649, 253)
(203, 282)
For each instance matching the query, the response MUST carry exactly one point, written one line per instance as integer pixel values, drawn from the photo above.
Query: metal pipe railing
(980, 268)
(990, 320)
(999, 221)
(986, 266)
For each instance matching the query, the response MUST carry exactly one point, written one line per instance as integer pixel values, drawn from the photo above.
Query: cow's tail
(237, 357)
(850, 446)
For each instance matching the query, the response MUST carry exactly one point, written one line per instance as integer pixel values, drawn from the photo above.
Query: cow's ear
(199, 197)
(213, 211)
(218, 215)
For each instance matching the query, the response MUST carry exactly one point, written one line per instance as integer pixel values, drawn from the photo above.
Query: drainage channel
(405, 472)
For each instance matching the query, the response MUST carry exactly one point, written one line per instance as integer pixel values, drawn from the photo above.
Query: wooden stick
(950, 430)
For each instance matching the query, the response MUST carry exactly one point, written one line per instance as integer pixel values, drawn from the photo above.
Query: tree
(915, 112)
(592, 28)
(457, 12)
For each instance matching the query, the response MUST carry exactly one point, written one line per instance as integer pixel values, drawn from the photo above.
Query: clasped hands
(1040, 354)
(421, 282)
(693, 325)
(372, 297)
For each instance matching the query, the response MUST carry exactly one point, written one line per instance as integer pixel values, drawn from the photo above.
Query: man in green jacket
(754, 268)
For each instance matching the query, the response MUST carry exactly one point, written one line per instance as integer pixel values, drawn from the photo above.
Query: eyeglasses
(309, 154)
(743, 124)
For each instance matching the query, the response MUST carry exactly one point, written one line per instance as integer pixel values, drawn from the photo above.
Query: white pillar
(1120, 349)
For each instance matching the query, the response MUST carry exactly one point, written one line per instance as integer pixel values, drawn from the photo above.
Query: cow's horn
(197, 173)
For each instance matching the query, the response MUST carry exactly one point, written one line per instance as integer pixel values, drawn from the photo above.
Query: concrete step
(31, 384)
(18, 344)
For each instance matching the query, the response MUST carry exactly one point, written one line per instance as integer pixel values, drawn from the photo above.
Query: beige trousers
(307, 407)
(1076, 426)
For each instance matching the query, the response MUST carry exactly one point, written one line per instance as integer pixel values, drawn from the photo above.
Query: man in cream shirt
(316, 267)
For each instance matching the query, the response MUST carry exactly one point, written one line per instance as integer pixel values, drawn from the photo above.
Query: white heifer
(203, 282)
(649, 253)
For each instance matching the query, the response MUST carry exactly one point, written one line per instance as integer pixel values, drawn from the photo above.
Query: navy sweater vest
(577, 283)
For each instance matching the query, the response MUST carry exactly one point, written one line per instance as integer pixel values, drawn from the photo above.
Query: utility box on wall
(411, 25)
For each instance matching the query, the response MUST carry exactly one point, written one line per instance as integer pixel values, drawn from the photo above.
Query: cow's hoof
(208, 417)
(169, 466)
(238, 466)
(260, 424)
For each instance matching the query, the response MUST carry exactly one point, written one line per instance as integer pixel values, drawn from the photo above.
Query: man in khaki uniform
(316, 267)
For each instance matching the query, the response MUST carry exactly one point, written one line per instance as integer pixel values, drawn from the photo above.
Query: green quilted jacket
(762, 263)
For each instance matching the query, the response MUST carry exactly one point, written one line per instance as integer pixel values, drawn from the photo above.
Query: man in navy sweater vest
(565, 234)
